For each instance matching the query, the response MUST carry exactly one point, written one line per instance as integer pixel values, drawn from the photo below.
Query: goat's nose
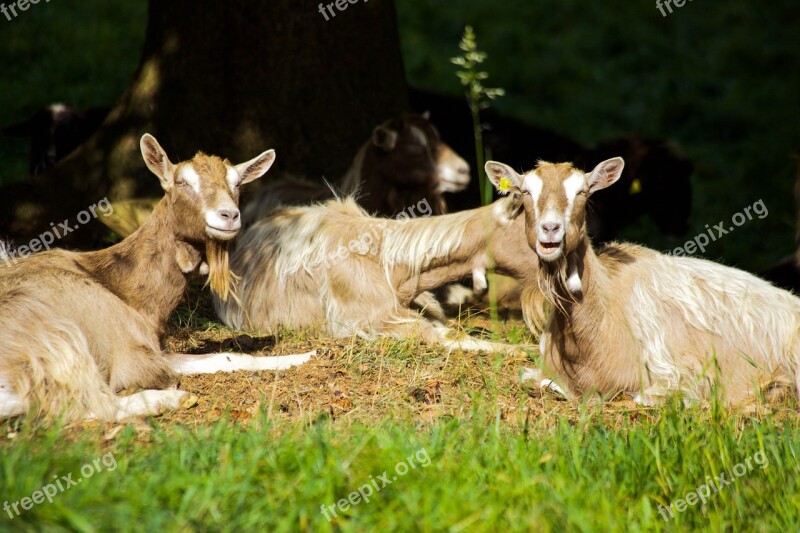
(551, 227)
(229, 215)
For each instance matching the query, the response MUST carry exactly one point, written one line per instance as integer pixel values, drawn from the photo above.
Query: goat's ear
(384, 137)
(503, 177)
(157, 161)
(256, 167)
(605, 174)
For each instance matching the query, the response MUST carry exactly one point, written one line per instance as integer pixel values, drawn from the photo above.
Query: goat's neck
(373, 195)
(372, 191)
(148, 269)
(487, 241)
(579, 281)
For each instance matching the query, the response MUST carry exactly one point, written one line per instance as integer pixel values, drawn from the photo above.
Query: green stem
(486, 199)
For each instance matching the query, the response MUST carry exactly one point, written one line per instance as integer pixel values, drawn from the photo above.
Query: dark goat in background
(55, 132)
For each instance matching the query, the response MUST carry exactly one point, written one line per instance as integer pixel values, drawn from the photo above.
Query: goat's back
(690, 317)
(67, 342)
(312, 266)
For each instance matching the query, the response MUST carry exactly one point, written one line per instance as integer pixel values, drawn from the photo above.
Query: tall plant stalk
(478, 97)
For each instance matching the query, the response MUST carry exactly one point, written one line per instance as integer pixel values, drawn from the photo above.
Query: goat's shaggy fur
(333, 266)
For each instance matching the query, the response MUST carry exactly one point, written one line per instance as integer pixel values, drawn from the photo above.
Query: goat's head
(554, 196)
(204, 191)
(413, 155)
(203, 199)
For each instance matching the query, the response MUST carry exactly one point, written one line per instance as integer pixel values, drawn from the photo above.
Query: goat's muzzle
(223, 224)
(550, 237)
(452, 170)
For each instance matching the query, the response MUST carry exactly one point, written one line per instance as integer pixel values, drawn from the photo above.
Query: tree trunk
(232, 79)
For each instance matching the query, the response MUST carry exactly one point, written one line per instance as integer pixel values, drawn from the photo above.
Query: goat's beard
(220, 277)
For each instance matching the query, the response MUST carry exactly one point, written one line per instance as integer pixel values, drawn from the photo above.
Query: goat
(403, 162)
(55, 132)
(627, 319)
(77, 327)
(333, 266)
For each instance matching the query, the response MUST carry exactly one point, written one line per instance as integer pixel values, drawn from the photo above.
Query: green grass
(552, 474)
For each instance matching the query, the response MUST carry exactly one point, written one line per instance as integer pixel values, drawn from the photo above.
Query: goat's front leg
(231, 362)
(149, 403)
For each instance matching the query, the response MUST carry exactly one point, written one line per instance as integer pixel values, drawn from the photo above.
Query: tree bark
(231, 79)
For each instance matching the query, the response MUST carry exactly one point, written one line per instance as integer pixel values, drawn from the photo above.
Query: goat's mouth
(549, 251)
(452, 178)
(221, 234)
(453, 185)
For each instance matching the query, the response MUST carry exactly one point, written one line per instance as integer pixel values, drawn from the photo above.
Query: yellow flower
(505, 184)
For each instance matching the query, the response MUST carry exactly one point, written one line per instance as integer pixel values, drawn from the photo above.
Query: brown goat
(333, 266)
(77, 327)
(403, 163)
(630, 320)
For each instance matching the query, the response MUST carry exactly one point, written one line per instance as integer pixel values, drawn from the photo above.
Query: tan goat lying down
(77, 327)
(630, 320)
(333, 266)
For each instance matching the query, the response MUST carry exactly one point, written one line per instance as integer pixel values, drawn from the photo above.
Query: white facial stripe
(572, 186)
(190, 176)
(532, 183)
(233, 178)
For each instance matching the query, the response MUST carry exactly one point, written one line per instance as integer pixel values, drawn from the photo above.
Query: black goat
(56, 131)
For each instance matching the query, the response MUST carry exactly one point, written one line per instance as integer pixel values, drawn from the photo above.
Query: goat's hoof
(533, 380)
(528, 375)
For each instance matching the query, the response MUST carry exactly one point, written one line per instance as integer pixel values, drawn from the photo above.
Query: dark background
(720, 79)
